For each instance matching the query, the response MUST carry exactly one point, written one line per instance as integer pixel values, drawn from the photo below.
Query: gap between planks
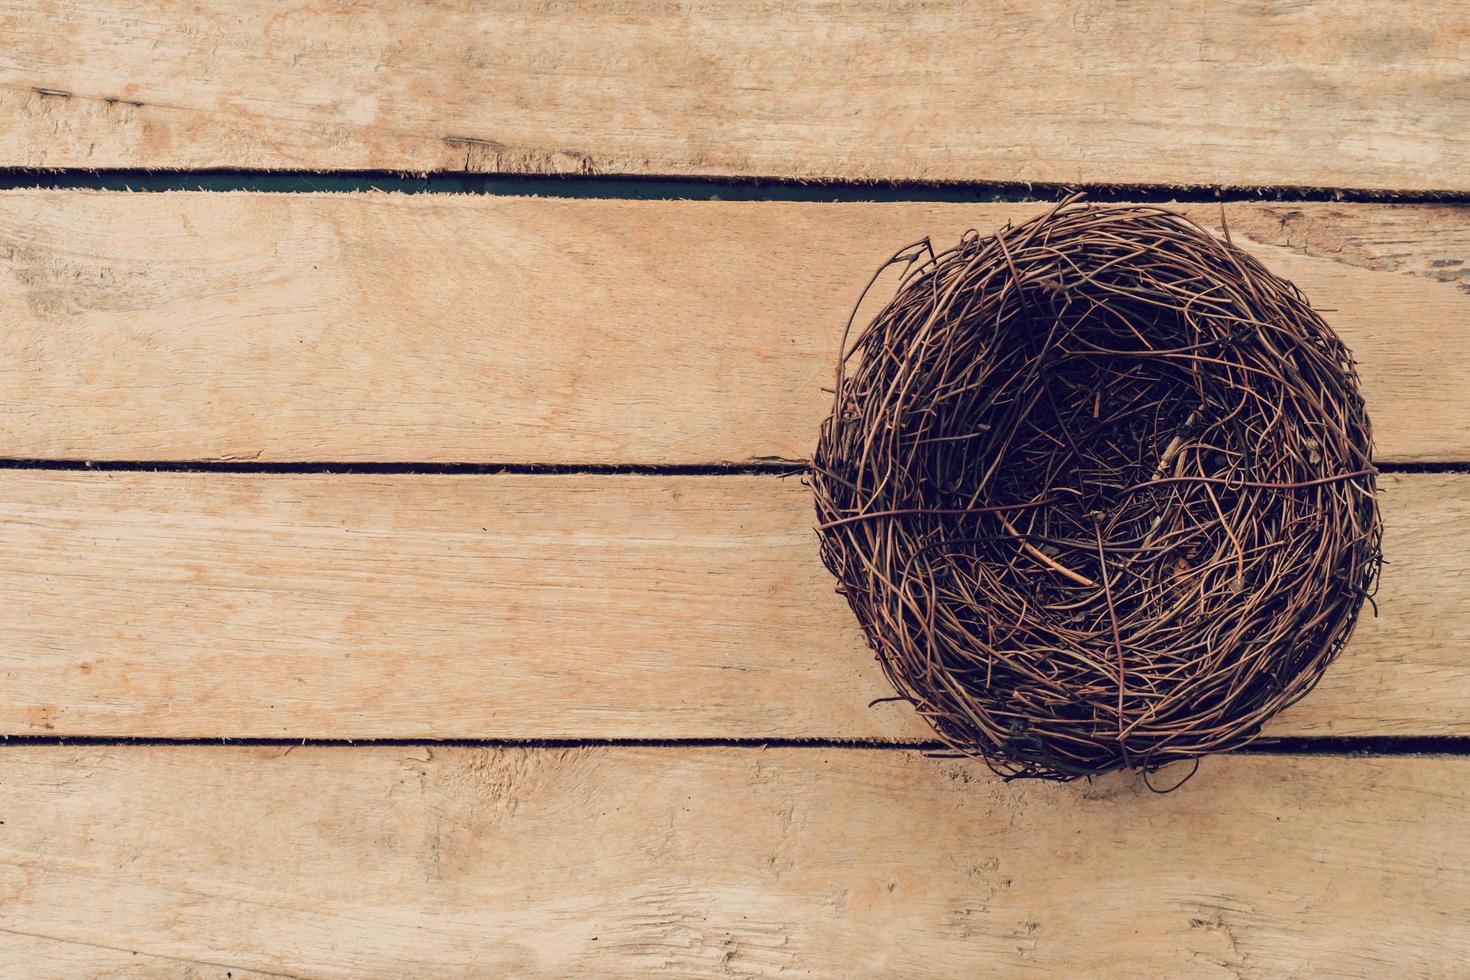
(1356, 746)
(757, 189)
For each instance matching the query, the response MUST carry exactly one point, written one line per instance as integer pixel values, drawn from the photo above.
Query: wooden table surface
(417, 585)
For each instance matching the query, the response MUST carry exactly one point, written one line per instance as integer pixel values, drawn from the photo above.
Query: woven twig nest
(1099, 489)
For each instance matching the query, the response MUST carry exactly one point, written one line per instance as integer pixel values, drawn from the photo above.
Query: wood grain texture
(47, 957)
(379, 327)
(1347, 93)
(420, 862)
(333, 606)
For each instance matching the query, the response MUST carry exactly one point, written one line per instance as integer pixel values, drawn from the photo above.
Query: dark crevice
(1362, 745)
(490, 743)
(766, 466)
(636, 188)
(1394, 745)
(771, 467)
(1424, 467)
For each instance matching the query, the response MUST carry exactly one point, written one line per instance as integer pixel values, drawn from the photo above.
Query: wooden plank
(1346, 93)
(332, 606)
(379, 327)
(433, 862)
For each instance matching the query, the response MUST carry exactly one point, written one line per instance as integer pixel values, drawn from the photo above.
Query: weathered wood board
(378, 327)
(416, 861)
(603, 606)
(1352, 93)
(518, 606)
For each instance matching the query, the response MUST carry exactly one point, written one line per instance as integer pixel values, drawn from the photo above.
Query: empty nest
(1099, 488)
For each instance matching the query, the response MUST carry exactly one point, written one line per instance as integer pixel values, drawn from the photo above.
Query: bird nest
(1099, 489)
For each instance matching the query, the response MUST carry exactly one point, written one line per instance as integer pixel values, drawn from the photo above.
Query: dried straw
(1099, 489)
